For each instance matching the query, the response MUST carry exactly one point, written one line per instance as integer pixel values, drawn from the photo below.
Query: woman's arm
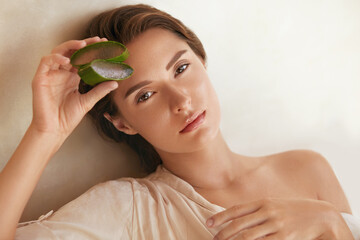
(58, 107)
(20, 176)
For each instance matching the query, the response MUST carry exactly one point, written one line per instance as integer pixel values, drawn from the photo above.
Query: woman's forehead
(153, 45)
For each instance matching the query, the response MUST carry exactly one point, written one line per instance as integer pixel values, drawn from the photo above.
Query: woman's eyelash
(144, 97)
(182, 69)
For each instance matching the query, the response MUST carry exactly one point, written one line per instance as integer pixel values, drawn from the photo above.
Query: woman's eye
(181, 69)
(145, 97)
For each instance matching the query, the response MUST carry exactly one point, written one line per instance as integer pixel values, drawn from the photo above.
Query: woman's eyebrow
(176, 57)
(137, 86)
(146, 82)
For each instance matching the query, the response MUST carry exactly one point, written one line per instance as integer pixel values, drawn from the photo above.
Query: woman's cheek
(153, 118)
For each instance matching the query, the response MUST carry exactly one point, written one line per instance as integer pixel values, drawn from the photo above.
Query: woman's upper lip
(192, 118)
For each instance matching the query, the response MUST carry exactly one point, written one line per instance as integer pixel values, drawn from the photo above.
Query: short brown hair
(123, 24)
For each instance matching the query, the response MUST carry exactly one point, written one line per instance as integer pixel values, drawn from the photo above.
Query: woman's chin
(198, 140)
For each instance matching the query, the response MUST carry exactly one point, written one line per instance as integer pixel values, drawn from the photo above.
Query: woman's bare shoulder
(295, 168)
(297, 160)
(311, 169)
(307, 165)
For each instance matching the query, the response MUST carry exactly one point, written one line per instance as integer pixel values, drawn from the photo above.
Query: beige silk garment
(158, 206)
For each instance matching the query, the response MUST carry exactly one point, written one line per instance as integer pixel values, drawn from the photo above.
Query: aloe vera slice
(102, 61)
(101, 70)
(110, 50)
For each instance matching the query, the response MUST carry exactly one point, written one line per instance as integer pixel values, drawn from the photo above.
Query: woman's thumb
(94, 95)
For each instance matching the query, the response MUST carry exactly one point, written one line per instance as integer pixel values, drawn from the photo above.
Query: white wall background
(287, 74)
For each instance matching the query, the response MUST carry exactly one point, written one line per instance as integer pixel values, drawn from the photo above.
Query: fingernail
(210, 222)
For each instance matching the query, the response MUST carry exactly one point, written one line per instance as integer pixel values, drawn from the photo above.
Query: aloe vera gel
(102, 61)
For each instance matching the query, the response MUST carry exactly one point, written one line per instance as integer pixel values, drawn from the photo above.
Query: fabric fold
(158, 206)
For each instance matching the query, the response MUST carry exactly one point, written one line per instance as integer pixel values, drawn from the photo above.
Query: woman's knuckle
(270, 209)
(277, 223)
(271, 212)
(237, 208)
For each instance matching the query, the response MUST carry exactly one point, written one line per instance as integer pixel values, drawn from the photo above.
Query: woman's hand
(58, 107)
(288, 219)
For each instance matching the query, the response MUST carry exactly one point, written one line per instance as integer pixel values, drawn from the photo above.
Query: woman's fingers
(69, 47)
(94, 40)
(241, 225)
(232, 213)
(67, 67)
(60, 57)
(89, 99)
(52, 62)
(265, 231)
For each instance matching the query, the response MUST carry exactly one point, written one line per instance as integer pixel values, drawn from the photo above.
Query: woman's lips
(195, 123)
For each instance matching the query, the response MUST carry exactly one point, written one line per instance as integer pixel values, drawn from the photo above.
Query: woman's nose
(180, 100)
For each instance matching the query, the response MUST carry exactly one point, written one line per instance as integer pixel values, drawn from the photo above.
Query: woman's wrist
(52, 139)
(46, 142)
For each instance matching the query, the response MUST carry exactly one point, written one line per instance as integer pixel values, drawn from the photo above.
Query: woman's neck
(212, 167)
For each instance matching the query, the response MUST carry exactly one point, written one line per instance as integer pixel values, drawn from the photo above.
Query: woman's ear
(120, 124)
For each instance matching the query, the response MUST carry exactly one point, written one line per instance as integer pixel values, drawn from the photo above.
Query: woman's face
(168, 89)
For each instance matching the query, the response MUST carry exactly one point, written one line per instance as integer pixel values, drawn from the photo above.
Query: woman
(169, 114)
